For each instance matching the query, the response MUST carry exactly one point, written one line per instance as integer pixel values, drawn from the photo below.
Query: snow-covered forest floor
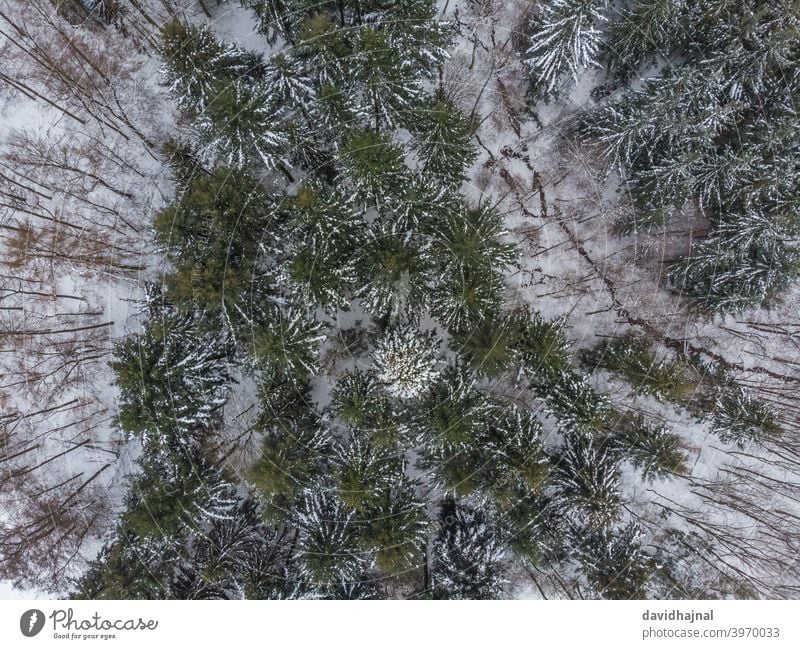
(85, 112)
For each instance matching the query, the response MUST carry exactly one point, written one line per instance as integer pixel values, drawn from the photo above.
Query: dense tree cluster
(419, 433)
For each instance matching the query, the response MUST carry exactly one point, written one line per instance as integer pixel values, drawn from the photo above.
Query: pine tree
(564, 38)
(740, 416)
(646, 29)
(397, 529)
(468, 554)
(361, 472)
(471, 240)
(449, 423)
(746, 261)
(278, 18)
(374, 165)
(392, 272)
(652, 449)
(387, 82)
(285, 343)
(465, 301)
(322, 237)
(359, 400)
(512, 454)
(291, 457)
(577, 407)
(633, 359)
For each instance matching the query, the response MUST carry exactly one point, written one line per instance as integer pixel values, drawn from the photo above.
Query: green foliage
(471, 240)
(197, 64)
(653, 450)
(396, 531)
(578, 408)
(443, 141)
(492, 346)
(290, 460)
(242, 124)
(614, 562)
(172, 377)
(392, 272)
(513, 460)
(321, 238)
(373, 164)
(717, 130)
(542, 347)
(362, 472)
(744, 262)
(633, 360)
(643, 31)
(285, 343)
(586, 479)
(563, 39)
(327, 542)
(741, 417)
(359, 401)
(211, 233)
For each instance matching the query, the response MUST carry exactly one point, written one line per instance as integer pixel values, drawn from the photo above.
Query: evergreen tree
(564, 38)
(642, 31)
(359, 401)
(388, 84)
(173, 376)
(741, 417)
(468, 554)
(512, 454)
(652, 449)
(243, 123)
(197, 64)
(632, 358)
(285, 343)
(397, 529)
(405, 361)
(291, 457)
(374, 165)
(392, 271)
(614, 562)
(327, 543)
(212, 234)
(471, 240)
(586, 479)
(443, 141)
(449, 423)
(748, 260)
(579, 409)
(361, 472)
(321, 237)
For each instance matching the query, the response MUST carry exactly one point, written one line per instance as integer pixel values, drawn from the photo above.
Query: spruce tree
(443, 142)
(173, 376)
(242, 124)
(468, 554)
(564, 38)
(197, 64)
